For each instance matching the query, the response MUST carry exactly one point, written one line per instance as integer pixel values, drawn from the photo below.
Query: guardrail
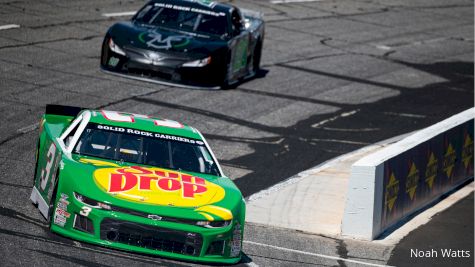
(388, 186)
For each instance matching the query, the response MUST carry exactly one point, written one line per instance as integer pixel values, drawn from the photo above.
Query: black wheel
(105, 52)
(37, 155)
(225, 82)
(257, 56)
(53, 201)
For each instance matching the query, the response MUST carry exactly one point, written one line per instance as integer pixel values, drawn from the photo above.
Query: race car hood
(155, 190)
(137, 38)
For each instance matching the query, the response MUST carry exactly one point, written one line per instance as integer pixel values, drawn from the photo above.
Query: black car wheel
(257, 56)
(52, 202)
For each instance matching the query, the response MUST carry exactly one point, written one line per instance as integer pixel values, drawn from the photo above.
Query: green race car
(136, 183)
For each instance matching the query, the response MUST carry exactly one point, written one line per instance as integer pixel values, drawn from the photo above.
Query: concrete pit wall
(388, 186)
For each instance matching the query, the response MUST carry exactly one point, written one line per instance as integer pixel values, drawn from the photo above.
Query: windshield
(147, 148)
(183, 18)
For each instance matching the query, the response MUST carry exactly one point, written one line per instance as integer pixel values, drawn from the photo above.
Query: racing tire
(36, 164)
(53, 201)
(257, 57)
(225, 83)
(105, 52)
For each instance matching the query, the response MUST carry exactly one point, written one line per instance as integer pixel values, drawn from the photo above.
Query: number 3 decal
(85, 211)
(45, 173)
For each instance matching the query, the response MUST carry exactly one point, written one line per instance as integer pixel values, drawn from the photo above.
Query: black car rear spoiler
(63, 110)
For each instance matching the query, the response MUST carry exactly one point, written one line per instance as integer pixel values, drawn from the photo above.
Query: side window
(236, 21)
(68, 135)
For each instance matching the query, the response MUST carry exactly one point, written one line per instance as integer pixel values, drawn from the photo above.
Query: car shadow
(261, 73)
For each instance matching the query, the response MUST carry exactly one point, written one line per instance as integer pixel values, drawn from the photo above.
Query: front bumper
(133, 233)
(169, 72)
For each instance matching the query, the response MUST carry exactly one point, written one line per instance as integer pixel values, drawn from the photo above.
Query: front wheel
(52, 203)
(257, 56)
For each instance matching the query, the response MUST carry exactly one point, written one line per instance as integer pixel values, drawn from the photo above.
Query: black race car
(186, 43)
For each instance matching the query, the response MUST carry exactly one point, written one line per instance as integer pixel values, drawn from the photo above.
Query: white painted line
(119, 14)
(9, 26)
(315, 254)
(28, 128)
(251, 264)
(383, 47)
(405, 115)
(276, 2)
(342, 115)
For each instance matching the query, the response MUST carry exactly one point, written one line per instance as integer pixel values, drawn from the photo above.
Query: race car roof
(144, 123)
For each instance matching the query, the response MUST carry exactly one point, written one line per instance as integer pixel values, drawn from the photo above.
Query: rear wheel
(225, 82)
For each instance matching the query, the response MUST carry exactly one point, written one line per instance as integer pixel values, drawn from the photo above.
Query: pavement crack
(342, 251)
(325, 40)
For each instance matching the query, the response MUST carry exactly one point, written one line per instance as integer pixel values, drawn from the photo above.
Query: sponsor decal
(412, 180)
(60, 214)
(158, 186)
(449, 161)
(149, 134)
(193, 9)
(62, 204)
(236, 241)
(392, 190)
(431, 170)
(113, 61)
(240, 56)
(467, 151)
(156, 40)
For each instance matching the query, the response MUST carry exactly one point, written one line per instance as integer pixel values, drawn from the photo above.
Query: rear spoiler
(63, 110)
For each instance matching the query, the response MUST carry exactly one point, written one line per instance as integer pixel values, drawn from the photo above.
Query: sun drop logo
(158, 186)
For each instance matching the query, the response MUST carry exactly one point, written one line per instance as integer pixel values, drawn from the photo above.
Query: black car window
(120, 146)
(236, 21)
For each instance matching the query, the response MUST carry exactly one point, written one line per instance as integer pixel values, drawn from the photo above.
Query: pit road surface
(336, 76)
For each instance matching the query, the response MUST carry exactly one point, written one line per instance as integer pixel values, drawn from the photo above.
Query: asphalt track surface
(336, 76)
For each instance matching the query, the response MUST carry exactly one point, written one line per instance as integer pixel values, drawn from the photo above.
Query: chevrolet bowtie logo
(154, 217)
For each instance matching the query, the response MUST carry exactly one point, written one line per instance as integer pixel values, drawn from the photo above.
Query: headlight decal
(91, 202)
(115, 48)
(198, 63)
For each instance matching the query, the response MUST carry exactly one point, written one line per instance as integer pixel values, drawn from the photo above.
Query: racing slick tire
(53, 201)
(257, 57)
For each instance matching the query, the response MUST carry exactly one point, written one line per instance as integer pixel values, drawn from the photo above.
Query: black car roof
(201, 4)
